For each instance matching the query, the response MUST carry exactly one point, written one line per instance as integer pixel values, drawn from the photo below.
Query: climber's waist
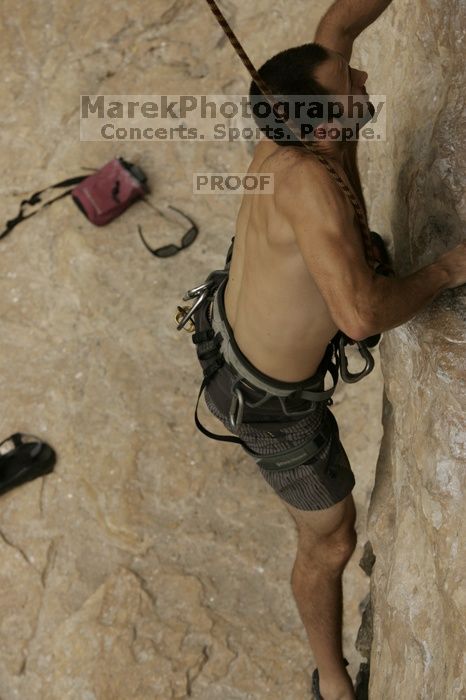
(309, 388)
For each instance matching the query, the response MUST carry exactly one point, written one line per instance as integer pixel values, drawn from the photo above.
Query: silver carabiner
(236, 409)
(348, 376)
(188, 315)
(196, 291)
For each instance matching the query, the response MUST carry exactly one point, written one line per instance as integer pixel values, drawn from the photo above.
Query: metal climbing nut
(202, 296)
(180, 319)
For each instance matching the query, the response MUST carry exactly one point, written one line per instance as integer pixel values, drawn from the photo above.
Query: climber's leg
(326, 541)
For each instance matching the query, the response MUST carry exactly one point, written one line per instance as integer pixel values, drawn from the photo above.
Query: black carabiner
(346, 375)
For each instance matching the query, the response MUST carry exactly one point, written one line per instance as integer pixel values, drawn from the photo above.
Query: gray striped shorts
(321, 482)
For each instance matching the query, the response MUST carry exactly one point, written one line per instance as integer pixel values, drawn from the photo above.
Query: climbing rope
(291, 124)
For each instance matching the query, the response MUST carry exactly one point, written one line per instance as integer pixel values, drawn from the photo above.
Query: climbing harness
(216, 347)
(210, 337)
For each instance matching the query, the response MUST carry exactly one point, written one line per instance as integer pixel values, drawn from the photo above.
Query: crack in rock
(199, 666)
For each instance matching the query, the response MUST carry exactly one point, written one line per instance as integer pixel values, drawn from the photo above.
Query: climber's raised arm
(345, 20)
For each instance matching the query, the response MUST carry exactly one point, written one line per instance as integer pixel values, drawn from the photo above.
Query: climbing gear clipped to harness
(345, 374)
(216, 347)
(209, 342)
(214, 338)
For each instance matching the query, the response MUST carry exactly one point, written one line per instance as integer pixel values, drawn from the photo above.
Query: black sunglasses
(167, 251)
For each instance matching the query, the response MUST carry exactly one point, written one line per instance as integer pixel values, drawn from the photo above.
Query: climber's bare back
(279, 318)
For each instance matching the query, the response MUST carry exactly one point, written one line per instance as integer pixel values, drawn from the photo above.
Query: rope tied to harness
(291, 124)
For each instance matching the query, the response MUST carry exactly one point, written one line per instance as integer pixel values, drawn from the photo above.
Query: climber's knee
(327, 537)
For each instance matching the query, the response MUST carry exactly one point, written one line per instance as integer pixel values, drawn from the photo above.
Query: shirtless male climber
(297, 275)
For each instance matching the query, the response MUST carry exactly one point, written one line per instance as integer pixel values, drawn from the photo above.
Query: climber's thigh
(326, 527)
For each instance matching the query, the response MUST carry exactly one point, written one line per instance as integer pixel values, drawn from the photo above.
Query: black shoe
(29, 459)
(315, 683)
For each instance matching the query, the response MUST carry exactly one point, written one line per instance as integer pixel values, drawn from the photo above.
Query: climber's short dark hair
(289, 72)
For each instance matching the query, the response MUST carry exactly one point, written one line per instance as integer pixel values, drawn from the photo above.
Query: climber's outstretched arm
(345, 20)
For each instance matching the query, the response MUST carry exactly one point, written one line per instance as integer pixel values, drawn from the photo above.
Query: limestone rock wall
(154, 564)
(416, 516)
